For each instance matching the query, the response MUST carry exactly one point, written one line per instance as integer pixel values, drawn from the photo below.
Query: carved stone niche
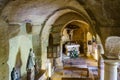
(29, 28)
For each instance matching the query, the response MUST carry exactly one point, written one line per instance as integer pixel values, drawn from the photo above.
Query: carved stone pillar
(110, 67)
(110, 70)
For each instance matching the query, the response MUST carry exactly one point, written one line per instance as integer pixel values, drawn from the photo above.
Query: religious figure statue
(31, 65)
(15, 74)
(90, 50)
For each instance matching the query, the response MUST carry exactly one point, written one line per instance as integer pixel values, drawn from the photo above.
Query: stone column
(110, 70)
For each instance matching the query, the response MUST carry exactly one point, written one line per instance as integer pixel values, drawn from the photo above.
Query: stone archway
(79, 35)
(49, 24)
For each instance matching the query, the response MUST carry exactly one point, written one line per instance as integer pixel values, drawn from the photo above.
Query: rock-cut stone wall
(3, 51)
(6, 32)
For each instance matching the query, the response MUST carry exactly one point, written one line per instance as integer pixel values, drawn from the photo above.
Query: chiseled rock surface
(6, 32)
(3, 3)
(112, 46)
(4, 44)
(34, 11)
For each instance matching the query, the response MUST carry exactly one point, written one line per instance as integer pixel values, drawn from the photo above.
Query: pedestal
(110, 70)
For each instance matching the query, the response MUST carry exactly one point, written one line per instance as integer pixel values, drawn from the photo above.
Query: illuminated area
(59, 40)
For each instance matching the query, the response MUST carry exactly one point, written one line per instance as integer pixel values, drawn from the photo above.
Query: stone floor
(91, 64)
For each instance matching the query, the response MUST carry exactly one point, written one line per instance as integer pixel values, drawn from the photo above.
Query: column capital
(110, 60)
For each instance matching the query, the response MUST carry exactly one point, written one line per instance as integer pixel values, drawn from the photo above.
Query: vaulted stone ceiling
(103, 11)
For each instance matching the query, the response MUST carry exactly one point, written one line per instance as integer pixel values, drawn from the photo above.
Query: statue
(15, 74)
(31, 66)
(90, 48)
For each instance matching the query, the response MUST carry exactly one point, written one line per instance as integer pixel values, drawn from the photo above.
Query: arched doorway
(75, 32)
(56, 24)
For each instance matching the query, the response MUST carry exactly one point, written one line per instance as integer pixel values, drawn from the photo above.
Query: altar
(71, 48)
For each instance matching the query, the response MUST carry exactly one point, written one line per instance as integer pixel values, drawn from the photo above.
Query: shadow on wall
(18, 63)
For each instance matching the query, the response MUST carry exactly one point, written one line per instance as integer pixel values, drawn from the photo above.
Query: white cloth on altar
(70, 48)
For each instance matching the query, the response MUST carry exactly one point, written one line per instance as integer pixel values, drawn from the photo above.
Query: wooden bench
(77, 69)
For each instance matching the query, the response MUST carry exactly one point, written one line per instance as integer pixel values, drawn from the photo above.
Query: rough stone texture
(4, 50)
(36, 47)
(104, 14)
(34, 11)
(112, 46)
(109, 31)
(102, 11)
(112, 10)
(3, 3)
(5, 33)
(4, 70)
(13, 30)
